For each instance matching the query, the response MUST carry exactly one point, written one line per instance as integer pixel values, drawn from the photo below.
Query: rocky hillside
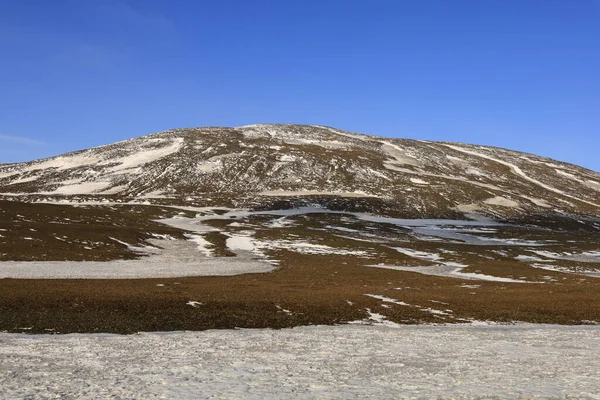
(266, 163)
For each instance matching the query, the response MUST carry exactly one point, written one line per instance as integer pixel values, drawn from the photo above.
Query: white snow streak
(313, 193)
(517, 171)
(447, 269)
(145, 156)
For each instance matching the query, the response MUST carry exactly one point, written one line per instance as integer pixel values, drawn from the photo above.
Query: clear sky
(520, 74)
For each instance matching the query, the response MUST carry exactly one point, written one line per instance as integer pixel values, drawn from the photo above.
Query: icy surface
(343, 362)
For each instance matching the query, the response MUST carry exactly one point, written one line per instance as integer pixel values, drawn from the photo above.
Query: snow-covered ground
(174, 258)
(342, 362)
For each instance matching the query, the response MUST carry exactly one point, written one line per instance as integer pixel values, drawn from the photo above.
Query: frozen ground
(343, 362)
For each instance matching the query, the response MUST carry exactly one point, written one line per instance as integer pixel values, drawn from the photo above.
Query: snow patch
(65, 162)
(447, 269)
(567, 175)
(423, 255)
(204, 246)
(144, 156)
(82, 188)
(592, 184)
(208, 166)
(388, 300)
(538, 202)
(501, 201)
(240, 243)
(419, 181)
(400, 156)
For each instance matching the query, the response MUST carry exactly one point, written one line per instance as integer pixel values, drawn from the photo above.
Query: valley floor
(333, 362)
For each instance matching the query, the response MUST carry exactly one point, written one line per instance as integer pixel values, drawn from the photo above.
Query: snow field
(339, 362)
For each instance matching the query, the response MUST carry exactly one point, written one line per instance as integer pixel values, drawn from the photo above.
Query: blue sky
(520, 74)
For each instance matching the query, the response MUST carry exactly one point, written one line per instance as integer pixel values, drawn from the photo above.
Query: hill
(284, 225)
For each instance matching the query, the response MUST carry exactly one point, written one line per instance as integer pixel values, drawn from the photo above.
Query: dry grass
(325, 290)
(315, 289)
(53, 232)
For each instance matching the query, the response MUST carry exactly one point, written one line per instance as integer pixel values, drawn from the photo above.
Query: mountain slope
(262, 161)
